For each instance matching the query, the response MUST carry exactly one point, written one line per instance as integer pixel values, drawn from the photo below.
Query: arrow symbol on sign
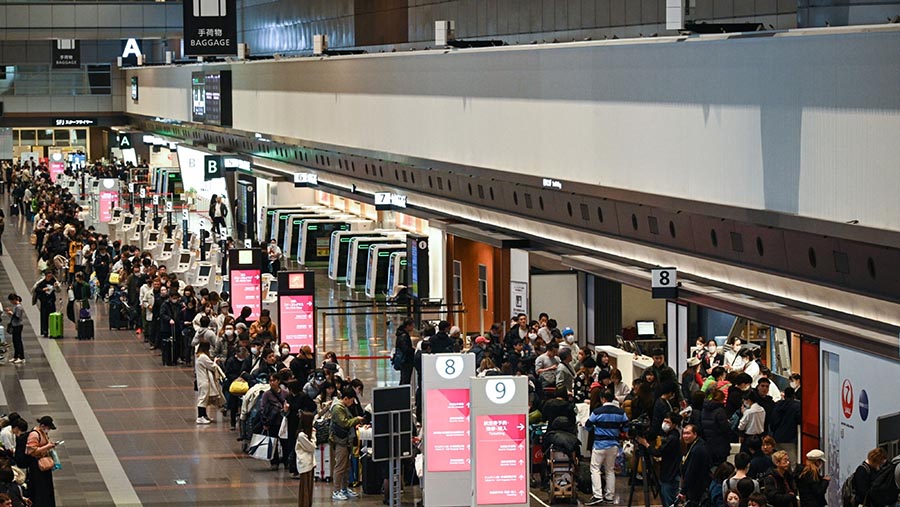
(521, 462)
(520, 426)
(521, 493)
(468, 461)
(521, 447)
(521, 477)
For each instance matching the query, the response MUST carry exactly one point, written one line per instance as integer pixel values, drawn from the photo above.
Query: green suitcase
(56, 325)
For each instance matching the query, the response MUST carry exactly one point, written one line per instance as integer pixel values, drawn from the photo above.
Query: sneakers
(349, 493)
(18, 361)
(203, 420)
(339, 495)
(595, 501)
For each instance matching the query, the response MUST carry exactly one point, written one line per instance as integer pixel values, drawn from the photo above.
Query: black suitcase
(168, 352)
(85, 329)
(115, 314)
(372, 478)
(13, 210)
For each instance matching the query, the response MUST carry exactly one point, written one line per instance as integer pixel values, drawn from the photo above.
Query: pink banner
(109, 199)
(447, 440)
(56, 168)
(297, 314)
(501, 459)
(246, 291)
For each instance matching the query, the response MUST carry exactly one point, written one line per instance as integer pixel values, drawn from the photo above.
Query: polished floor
(128, 421)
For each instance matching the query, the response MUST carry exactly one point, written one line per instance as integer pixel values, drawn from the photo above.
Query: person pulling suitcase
(45, 291)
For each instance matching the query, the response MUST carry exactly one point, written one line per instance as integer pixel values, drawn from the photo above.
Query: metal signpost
(448, 454)
(499, 427)
(392, 432)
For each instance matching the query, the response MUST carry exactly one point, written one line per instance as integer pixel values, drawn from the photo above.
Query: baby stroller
(561, 468)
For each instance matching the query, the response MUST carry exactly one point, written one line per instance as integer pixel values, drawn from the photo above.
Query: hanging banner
(210, 27)
(66, 53)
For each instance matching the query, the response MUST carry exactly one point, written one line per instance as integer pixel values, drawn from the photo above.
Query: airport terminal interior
(449, 253)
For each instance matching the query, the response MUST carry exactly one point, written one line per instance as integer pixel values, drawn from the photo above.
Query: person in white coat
(209, 383)
(306, 458)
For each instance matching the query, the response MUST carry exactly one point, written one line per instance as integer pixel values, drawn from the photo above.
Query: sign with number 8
(449, 367)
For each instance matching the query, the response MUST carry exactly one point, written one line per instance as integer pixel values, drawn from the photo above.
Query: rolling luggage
(168, 352)
(372, 479)
(56, 325)
(85, 329)
(322, 472)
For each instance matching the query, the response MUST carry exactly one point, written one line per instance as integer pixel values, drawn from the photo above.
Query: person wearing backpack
(861, 480)
(883, 490)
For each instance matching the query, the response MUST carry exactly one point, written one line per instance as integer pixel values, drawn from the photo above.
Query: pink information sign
(109, 199)
(56, 168)
(297, 314)
(447, 441)
(501, 459)
(246, 291)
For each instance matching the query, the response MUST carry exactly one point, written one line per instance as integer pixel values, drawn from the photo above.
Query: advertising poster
(861, 413)
(246, 291)
(297, 315)
(501, 459)
(109, 198)
(447, 442)
(57, 166)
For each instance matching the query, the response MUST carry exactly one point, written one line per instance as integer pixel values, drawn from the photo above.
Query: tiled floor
(144, 448)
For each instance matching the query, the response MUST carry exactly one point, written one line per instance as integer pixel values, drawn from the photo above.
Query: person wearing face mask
(740, 384)
(753, 418)
(225, 342)
(711, 358)
(38, 445)
(268, 366)
(812, 482)
(286, 357)
(232, 372)
(669, 453)
(251, 361)
(569, 342)
(733, 359)
(795, 383)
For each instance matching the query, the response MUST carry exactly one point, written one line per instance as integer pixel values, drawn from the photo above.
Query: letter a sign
(212, 167)
(131, 50)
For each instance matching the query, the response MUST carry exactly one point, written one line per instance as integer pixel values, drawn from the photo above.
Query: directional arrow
(520, 426)
(521, 462)
(468, 461)
(521, 493)
(521, 477)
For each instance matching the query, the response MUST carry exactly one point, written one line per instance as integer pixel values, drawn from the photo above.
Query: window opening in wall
(541, 202)
(528, 200)
(470, 189)
(672, 228)
(653, 225)
(870, 265)
(457, 282)
(812, 256)
(759, 246)
(516, 198)
(440, 184)
(600, 214)
(569, 208)
(491, 191)
(713, 238)
(634, 221)
(483, 286)
(841, 262)
(737, 242)
(480, 192)
(585, 213)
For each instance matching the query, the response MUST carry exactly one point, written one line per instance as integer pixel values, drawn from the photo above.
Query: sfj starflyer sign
(210, 27)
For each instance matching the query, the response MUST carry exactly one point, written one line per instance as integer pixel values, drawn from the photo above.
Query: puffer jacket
(716, 431)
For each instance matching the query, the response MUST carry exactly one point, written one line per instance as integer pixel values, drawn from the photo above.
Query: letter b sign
(212, 167)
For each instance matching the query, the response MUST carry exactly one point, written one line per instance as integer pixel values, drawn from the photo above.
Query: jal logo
(847, 398)
(863, 405)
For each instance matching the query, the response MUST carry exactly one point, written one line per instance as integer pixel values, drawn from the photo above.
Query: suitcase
(372, 479)
(56, 325)
(115, 314)
(13, 210)
(168, 352)
(323, 464)
(85, 329)
(583, 476)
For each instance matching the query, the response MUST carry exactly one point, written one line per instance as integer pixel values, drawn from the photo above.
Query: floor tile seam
(117, 482)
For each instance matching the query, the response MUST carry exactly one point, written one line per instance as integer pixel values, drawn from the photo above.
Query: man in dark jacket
(670, 454)
(404, 348)
(784, 420)
(170, 323)
(478, 348)
(441, 341)
(694, 466)
(716, 430)
(520, 331)
(663, 406)
(560, 406)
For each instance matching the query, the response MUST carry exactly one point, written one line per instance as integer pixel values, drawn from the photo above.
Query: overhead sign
(297, 308)
(74, 122)
(446, 420)
(210, 27)
(123, 139)
(499, 439)
(131, 50)
(388, 200)
(246, 280)
(66, 53)
(306, 179)
(232, 164)
(213, 167)
(664, 283)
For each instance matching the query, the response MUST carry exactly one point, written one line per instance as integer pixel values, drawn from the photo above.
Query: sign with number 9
(449, 367)
(500, 391)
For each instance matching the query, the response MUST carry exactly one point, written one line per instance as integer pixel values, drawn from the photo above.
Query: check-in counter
(628, 363)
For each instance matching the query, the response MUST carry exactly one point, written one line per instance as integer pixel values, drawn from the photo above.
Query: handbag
(45, 464)
(262, 447)
(283, 429)
(239, 387)
(114, 278)
(33, 239)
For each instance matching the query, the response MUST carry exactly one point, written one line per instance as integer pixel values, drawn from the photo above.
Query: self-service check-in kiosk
(168, 250)
(379, 267)
(396, 272)
(358, 258)
(183, 267)
(270, 217)
(152, 241)
(340, 249)
(293, 225)
(315, 242)
(205, 277)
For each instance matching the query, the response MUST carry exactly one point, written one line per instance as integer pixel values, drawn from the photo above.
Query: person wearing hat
(691, 380)
(38, 445)
(441, 342)
(45, 291)
(570, 342)
(812, 482)
(478, 348)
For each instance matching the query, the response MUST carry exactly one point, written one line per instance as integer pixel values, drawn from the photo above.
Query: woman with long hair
(306, 459)
(812, 483)
(209, 383)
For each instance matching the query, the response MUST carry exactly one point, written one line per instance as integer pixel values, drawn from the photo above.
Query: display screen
(185, 258)
(246, 289)
(245, 257)
(154, 236)
(56, 168)
(109, 199)
(205, 270)
(646, 328)
(501, 459)
(128, 220)
(297, 314)
(447, 440)
(198, 97)
(168, 247)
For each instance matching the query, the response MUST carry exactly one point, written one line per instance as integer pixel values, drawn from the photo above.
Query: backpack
(884, 490)
(848, 492)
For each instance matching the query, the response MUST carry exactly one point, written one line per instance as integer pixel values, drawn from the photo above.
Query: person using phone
(16, 321)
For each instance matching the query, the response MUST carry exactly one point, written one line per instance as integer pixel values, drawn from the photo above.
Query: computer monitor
(128, 220)
(185, 258)
(154, 236)
(646, 328)
(168, 247)
(204, 271)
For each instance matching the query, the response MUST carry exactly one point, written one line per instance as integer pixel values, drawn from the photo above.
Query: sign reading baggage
(210, 27)
(500, 430)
